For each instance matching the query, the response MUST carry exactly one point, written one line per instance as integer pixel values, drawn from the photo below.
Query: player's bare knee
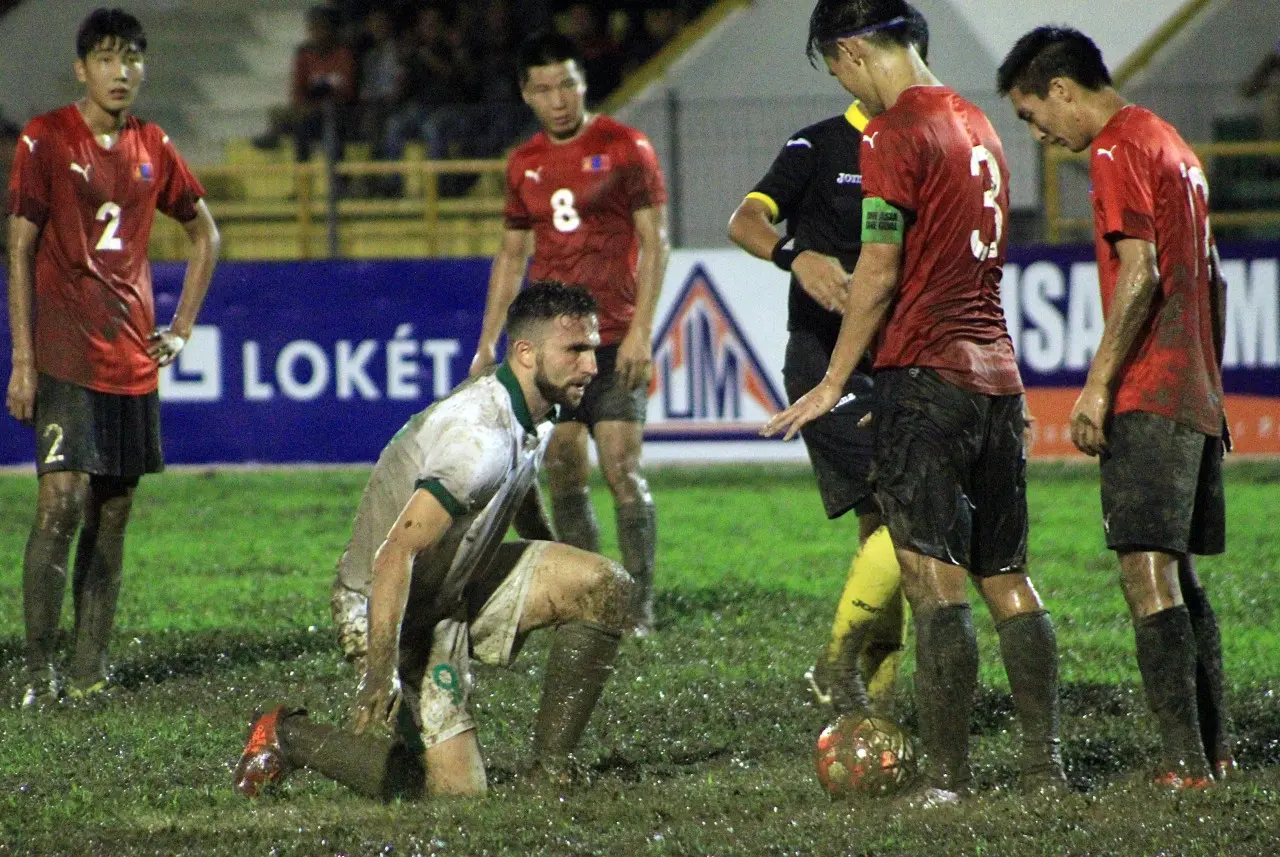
(606, 595)
(60, 504)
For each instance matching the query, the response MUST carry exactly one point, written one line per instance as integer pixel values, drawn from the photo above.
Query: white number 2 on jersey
(563, 214)
(110, 212)
(983, 250)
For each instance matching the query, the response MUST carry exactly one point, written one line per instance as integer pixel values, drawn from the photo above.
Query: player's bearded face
(112, 74)
(566, 360)
(557, 95)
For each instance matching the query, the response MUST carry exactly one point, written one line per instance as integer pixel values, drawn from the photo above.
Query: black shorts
(104, 434)
(839, 450)
(1162, 487)
(605, 399)
(951, 471)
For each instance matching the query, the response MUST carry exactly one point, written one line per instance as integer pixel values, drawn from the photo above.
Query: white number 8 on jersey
(563, 214)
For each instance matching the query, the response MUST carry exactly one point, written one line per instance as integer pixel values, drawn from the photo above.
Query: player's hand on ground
(377, 701)
(21, 399)
(1088, 416)
(807, 408)
(485, 357)
(823, 278)
(635, 360)
(163, 346)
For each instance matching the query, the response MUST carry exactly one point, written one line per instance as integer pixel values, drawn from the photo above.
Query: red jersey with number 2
(94, 308)
(578, 198)
(936, 157)
(1149, 185)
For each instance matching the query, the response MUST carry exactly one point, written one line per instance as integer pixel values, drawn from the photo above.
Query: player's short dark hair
(109, 24)
(325, 16)
(918, 31)
(543, 300)
(1049, 52)
(546, 47)
(883, 21)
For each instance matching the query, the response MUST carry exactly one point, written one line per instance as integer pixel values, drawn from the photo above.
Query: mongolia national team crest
(142, 172)
(707, 380)
(595, 164)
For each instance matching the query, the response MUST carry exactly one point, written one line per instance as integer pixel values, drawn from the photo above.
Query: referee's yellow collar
(856, 117)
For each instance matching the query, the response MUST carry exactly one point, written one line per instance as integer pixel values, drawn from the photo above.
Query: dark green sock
(946, 677)
(1029, 649)
(1210, 699)
(574, 519)
(580, 663)
(375, 767)
(637, 542)
(1167, 660)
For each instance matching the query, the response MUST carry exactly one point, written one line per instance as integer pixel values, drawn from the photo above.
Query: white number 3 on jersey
(563, 214)
(983, 250)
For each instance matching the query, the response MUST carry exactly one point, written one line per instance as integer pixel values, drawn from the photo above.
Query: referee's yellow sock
(870, 588)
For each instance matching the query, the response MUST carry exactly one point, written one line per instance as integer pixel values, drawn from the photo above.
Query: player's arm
(206, 242)
(635, 352)
(1136, 286)
(530, 520)
(422, 523)
(21, 398)
(823, 277)
(504, 282)
(875, 282)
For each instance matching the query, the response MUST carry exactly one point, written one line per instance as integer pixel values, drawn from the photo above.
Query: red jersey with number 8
(1149, 185)
(936, 157)
(578, 198)
(94, 308)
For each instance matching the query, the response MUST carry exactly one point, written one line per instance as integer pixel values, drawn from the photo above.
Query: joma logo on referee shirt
(707, 379)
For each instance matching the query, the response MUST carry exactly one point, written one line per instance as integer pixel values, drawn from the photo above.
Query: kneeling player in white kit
(444, 587)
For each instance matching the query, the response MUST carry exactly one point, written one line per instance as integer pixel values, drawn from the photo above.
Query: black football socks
(1029, 649)
(1166, 648)
(637, 539)
(946, 678)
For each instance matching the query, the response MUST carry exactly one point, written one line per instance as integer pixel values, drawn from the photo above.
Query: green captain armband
(882, 222)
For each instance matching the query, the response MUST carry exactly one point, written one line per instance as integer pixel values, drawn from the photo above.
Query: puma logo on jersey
(84, 171)
(871, 140)
(536, 175)
(800, 142)
(1110, 153)
(31, 144)
(642, 143)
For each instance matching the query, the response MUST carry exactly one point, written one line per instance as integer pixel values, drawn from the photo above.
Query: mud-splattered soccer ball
(864, 756)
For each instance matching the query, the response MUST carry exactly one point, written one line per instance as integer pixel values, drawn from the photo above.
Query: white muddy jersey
(477, 451)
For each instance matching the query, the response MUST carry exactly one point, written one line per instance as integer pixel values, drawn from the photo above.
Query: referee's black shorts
(103, 434)
(839, 450)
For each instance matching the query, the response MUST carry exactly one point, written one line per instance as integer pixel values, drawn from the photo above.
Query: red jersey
(578, 198)
(93, 303)
(1149, 185)
(936, 157)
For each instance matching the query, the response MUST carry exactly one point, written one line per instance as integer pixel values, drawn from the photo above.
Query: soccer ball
(864, 756)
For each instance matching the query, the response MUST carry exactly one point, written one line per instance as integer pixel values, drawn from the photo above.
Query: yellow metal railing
(281, 210)
(1059, 226)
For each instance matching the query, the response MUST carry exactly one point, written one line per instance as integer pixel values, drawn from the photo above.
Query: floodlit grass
(702, 743)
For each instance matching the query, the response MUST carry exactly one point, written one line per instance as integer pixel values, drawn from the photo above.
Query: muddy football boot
(44, 688)
(87, 689)
(262, 763)
(837, 686)
(1181, 782)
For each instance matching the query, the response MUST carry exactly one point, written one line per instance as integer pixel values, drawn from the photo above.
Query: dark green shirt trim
(435, 489)
(518, 404)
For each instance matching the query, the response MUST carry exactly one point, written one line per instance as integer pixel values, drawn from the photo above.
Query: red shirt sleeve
(643, 182)
(180, 190)
(890, 166)
(29, 191)
(1122, 186)
(515, 214)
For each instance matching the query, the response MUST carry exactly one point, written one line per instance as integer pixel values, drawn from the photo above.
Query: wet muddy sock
(946, 676)
(44, 583)
(574, 519)
(1029, 649)
(637, 538)
(580, 663)
(96, 589)
(1215, 729)
(1167, 661)
(380, 768)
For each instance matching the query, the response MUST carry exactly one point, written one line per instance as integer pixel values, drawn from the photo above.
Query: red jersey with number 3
(578, 198)
(936, 157)
(94, 308)
(1149, 185)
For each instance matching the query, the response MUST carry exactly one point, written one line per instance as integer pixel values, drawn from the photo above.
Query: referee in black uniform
(815, 185)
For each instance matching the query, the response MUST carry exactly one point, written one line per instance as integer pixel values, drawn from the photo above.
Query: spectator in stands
(657, 25)
(501, 111)
(382, 77)
(583, 24)
(324, 79)
(1265, 82)
(440, 77)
